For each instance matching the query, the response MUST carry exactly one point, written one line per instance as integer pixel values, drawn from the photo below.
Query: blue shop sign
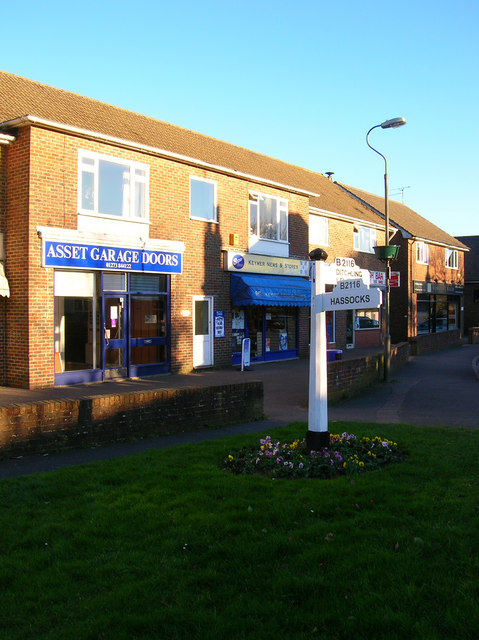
(87, 256)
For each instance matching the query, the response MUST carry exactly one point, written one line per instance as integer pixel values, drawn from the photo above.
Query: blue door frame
(115, 342)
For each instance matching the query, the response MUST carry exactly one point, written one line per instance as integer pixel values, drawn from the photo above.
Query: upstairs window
(268, 217)
(422, 253)
(203, 199)
(318, 230)
(451, 258)
(112, 187)
(364, 239)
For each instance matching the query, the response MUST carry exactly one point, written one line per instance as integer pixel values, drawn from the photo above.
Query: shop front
(111, 310)
(438, 307)
(266, 305)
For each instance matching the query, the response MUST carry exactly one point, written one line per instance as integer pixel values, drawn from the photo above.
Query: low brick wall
(66, 424)
(428, 342)
(348, 377)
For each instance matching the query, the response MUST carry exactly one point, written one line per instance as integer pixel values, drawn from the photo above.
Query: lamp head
(393, 123)
(318, 254)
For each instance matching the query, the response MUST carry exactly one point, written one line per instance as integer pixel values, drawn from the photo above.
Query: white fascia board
(58, 234)
(26, 120)
(6, 139)
(440, 244)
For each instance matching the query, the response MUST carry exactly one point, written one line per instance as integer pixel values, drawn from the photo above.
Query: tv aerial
(400, 190)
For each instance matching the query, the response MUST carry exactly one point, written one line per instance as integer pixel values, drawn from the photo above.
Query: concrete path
(438, 389)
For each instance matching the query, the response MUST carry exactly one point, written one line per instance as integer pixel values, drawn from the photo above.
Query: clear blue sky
(302, 81)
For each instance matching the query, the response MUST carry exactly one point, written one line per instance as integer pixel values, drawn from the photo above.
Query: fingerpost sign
(350, 293)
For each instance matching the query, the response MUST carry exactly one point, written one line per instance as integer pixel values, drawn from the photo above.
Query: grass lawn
(166, 545)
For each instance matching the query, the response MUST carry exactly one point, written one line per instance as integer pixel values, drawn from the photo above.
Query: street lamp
(387, 252)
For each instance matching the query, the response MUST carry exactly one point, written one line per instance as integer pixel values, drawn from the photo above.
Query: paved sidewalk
(435, 389)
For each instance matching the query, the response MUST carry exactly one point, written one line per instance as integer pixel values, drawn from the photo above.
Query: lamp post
(387, 252)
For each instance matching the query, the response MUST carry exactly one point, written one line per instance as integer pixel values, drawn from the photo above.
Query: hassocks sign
(350, 294)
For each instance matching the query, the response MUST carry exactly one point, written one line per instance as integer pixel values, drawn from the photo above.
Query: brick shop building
(427, 309)
(132, 247)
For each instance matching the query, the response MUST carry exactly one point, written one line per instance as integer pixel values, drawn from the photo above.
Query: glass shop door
(114, 337)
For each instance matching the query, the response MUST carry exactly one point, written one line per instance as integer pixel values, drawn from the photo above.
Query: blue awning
(282, 291)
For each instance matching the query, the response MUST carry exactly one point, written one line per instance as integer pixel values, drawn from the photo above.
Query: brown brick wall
(349, 377)
(17, 264)
(435, 271)
(54, 425)
(429, 342)
(3, 302)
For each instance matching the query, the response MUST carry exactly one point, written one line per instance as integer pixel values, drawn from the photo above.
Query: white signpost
(348, 293)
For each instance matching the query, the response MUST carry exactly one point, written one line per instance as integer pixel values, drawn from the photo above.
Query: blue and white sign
(219, 324)
(70, 255)
(237, 261)
(245, 353)
(271, 265)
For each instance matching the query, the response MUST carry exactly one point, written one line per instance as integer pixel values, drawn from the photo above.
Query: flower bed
(346, 455)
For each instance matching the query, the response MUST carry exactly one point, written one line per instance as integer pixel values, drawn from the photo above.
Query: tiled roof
(407, 219)
(332, 199)
(22, 97)
(471, 259)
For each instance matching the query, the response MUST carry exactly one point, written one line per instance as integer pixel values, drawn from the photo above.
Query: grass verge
(165, 544)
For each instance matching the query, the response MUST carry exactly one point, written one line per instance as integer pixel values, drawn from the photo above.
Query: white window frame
(364, 239)
(451, 258)
(215, 204)
(138, 174)
(422, 252)
(318, 230)
(254, 211)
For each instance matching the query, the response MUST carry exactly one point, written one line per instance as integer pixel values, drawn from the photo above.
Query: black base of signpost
(316, 440)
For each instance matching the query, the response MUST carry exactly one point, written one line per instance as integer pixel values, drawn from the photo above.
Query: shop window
(318, 230)
(148, 282)
(422, 253)
(331, 327)
(440, 319)
(364, 239)
(111, 186)
(452, 314)
(238, 328)
(114, 281)
(280, 329)
(451, 258)
(76, 322)
(268, 217)
(423, 315)
(203, 199)
(367, 319)
(254, 323)
(436, 313)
